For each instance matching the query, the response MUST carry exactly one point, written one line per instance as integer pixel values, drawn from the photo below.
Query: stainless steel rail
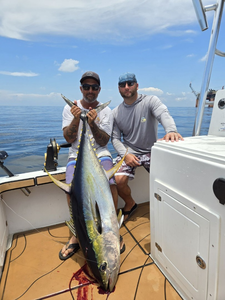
(200, 11)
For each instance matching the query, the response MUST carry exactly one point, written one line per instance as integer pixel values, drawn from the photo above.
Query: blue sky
(47, 45)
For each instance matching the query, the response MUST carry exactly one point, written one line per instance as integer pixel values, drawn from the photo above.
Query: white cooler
(187, 215)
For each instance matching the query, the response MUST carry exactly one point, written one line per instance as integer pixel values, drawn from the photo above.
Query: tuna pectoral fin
(61, 185)
(112, 171)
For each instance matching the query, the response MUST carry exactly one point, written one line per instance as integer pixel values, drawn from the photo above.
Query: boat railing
(200, 12)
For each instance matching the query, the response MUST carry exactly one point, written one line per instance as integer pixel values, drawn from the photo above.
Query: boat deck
(33, 270)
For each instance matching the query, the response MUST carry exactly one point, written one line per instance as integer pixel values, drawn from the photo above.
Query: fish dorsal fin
(112, 171)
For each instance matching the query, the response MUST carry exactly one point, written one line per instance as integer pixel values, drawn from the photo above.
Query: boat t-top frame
(200, 11)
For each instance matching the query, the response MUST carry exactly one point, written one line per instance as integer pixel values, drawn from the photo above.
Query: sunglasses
(129, 83)
(86, 87)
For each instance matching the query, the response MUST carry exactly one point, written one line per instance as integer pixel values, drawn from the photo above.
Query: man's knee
(113, 188)
(121, 180)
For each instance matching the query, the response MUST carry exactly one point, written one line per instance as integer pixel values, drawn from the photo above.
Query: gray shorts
(130, 171)
(106, 163)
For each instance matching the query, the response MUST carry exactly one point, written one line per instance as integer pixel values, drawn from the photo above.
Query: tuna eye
(103, 266)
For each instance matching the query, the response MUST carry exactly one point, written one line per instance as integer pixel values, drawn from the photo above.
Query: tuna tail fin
(84, 113)
(61, 185)
(112, 171)
(98, 108)
(102, 106)
(70, 103)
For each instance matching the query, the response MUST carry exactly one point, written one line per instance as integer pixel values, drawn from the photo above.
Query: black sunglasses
(129, 83)
(86, 87)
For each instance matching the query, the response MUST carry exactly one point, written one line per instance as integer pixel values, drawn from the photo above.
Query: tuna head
(107, 248)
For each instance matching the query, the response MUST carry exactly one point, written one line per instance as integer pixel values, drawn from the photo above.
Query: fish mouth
(111, 284)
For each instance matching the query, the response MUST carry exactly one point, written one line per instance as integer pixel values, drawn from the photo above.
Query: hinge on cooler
(157, 196)
(158, 247)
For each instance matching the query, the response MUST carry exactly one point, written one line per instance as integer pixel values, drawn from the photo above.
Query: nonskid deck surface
(33, 270)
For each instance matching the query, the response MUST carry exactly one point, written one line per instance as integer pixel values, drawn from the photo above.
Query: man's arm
(170, 128)
(163, 116)
(116, 140)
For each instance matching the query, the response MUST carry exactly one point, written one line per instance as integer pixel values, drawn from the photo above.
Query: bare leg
(73, 239)
(114, 192)
(124, 192)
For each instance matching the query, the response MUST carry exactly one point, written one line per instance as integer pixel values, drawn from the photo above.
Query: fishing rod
(3, 156)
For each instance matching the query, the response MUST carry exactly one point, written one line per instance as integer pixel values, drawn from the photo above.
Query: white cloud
(191, 55)
(11, 98)
(19, 74)
(190, 31)
(166, 47)
(94, 19)
(180, 99)
(69, 65)
(21, 95)
(153, 90)
(204, 58)
(10, 95)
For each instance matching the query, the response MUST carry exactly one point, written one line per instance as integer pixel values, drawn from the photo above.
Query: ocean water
(25, 133)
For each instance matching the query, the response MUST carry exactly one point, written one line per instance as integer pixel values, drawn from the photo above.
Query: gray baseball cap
(90, 74)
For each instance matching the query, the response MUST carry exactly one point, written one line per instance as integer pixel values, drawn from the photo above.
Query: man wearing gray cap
(135, 128)
(100, 127)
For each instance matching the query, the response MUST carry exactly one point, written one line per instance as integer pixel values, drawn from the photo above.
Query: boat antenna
(193, 91)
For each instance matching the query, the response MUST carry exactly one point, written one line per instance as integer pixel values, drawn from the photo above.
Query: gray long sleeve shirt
(135, 126)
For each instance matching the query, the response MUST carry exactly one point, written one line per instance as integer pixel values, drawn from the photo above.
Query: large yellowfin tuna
(93, 211)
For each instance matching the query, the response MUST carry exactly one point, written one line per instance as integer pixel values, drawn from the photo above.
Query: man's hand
(131, 160)
(75, 111)
(172, 136)
(91, 115)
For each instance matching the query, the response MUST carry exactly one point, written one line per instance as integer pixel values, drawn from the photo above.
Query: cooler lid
(209, 146)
